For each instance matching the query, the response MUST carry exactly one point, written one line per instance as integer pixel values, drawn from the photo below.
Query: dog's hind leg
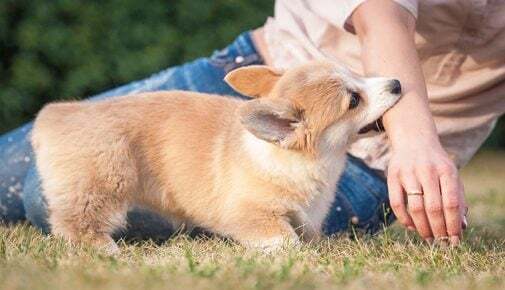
(88, 197)
(89, 217)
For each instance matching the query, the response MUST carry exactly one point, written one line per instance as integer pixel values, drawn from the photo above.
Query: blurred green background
(68, 49)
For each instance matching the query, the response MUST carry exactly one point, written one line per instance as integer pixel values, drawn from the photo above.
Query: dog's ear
(254, 80)
(273, 120)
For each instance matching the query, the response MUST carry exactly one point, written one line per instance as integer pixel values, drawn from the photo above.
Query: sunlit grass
(393, 260)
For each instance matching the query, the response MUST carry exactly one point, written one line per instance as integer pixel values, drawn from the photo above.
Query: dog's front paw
(110, 249)
(106, 245)
(273, 245)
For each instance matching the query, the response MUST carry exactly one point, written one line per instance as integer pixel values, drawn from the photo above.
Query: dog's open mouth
(376, 126)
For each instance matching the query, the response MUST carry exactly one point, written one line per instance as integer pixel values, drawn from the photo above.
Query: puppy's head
(316, 106)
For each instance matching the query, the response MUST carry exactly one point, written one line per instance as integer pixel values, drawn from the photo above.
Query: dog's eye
(355, 98)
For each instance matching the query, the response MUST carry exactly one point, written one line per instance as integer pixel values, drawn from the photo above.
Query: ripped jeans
(361, 200)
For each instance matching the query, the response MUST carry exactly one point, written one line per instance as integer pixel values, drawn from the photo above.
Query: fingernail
(454, 240)
(429, 241)
(411, 228)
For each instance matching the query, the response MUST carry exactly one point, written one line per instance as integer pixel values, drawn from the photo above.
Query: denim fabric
(360, 200)
(15, 160)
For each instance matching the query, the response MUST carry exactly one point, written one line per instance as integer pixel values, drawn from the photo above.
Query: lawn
(393, 260)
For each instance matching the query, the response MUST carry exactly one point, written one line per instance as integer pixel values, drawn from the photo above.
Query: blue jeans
(361, 196)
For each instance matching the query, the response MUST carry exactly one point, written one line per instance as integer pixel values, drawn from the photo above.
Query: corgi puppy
(262, 171)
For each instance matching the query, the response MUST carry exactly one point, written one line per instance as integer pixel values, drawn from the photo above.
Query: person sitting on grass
(449, 58)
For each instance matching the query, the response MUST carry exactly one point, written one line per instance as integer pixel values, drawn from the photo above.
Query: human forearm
(389, 50)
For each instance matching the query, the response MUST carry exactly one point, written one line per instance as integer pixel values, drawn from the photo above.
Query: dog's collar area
(376, 126)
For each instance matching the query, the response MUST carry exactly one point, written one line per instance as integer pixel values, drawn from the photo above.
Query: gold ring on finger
(414, 193)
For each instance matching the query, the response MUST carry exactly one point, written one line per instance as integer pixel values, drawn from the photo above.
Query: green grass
(393, 260)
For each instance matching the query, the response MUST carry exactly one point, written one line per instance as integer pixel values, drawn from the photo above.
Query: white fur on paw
(110, 249)
(272, 245)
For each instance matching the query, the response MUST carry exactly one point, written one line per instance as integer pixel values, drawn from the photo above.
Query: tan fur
(192, 157)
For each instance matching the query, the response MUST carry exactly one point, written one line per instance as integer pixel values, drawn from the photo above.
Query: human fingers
(398, 202)
(415, 205)
(429, 178)
(451, 196)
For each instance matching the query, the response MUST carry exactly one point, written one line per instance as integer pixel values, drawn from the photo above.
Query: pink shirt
(461, 45)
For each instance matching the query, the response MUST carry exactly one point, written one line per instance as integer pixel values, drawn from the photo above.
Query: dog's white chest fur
(314, 179)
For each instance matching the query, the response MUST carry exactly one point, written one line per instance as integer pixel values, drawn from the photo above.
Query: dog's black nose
(396, 87)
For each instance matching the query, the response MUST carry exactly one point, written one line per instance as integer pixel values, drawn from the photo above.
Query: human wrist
(410, 122)
(412, 133)
(413, 145)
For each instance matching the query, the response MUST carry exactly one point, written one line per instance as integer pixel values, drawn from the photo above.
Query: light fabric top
(461, 45)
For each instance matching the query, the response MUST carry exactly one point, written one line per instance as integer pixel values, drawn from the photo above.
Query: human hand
(425, 191)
